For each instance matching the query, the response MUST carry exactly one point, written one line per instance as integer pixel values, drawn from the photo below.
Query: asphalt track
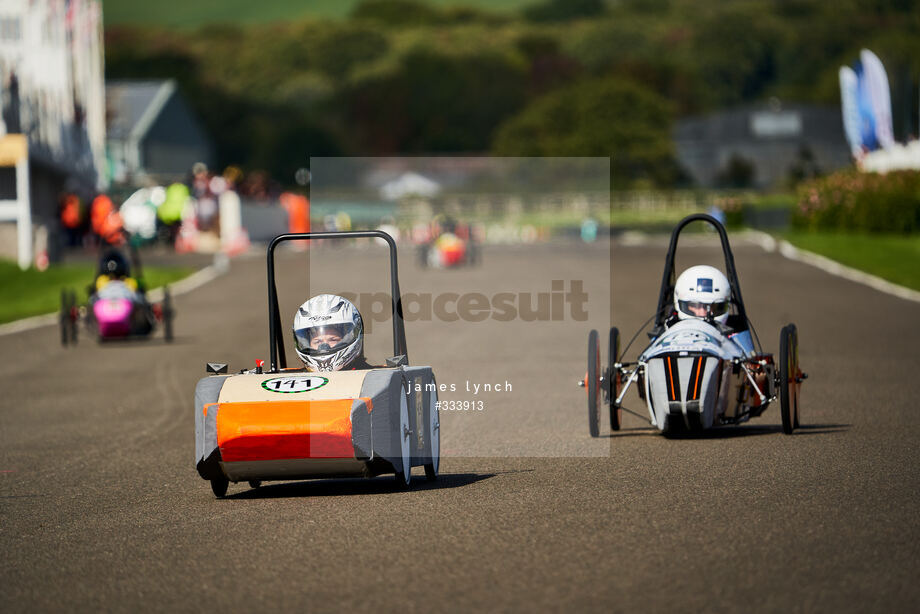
(101, 509)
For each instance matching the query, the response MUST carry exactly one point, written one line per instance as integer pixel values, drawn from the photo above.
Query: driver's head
(702, 292)
(328, 333)
(114, 265)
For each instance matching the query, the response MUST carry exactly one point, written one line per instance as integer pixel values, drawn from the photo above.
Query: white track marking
(788, 250)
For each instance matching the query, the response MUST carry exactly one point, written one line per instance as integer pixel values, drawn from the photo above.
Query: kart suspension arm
(747, 372)
(632, 377)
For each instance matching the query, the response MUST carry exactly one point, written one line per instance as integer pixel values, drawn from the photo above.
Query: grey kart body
(367, 421)
(691, 380)
(403, 399)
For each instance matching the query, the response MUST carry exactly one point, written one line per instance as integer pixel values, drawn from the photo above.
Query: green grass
(891, 257)
(30, 293)
(185, 14)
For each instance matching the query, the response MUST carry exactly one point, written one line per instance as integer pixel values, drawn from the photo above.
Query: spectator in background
(169, 213)
(233, 237)
(298, 210)
(259, 187)
(202, 190)
(106, 221)
(71, 215)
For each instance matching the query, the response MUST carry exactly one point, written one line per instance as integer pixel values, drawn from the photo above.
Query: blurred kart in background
(118, 306)
(293, 424)
(448, 244)
(697, 372)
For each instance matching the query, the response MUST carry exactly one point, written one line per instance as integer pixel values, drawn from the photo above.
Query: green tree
(564, 10)
(736, 51)
(433, 102)
(335, 51)
(397, 12)
(599, 117)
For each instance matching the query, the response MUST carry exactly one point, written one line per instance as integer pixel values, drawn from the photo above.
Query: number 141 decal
(295, 384)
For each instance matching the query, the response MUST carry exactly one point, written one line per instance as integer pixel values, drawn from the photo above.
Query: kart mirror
(397, 361)
(216, 368)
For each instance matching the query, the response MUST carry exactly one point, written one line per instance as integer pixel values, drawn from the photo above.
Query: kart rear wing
(666, 296)
(276, 340)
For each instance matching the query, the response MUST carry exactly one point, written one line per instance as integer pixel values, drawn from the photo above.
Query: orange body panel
(277, 430)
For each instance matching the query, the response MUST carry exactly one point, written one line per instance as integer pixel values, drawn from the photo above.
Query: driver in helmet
(329, 334)
(702, 292)
(114, 267)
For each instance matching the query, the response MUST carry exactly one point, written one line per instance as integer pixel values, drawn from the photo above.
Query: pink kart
(118, 307)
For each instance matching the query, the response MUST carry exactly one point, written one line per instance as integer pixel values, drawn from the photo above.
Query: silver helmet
(328, 333)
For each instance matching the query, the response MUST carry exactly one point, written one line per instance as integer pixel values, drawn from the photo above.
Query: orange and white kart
(449, 244)
(289, 424)
(696, 373)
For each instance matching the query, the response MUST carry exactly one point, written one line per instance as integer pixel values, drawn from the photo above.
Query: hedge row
(868, 202)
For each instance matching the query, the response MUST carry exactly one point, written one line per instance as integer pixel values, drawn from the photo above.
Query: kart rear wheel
(219, 487)
(434, 437)
(404, 435)
(593, 385)
(787, 376)
(255, 483)
(65, 317)
(613, 379)
(167, 315)
(74, 316)
(422, 253)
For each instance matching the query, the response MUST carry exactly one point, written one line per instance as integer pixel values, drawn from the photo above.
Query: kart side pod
(682, 390)
(300, 425)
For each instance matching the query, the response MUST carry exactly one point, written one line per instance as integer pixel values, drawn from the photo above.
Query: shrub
(854, 201)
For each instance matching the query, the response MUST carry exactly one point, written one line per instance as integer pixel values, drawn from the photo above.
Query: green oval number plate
(288, 385)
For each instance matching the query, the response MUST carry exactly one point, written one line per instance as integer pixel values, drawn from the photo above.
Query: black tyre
(65, 318)
(433, 425)
(472, 252)
(219, 487)
(404, 443)
(787, 377)
(255, 483)
(167, 315)
(613, 379)
(422, 253)
(593, 385)
(73, 317)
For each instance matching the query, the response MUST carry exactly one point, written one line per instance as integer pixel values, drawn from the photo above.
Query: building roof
(133, 105)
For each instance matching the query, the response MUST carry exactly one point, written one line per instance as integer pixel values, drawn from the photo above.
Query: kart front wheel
(592, 385)
(613, 379)
(788, 377)
(404, 442)
(219, 487)
(167, 315)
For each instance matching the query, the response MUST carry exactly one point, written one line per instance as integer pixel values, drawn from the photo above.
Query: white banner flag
(849, 103)
(879, 95)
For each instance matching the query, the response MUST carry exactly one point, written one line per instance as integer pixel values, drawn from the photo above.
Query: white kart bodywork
(690, 374)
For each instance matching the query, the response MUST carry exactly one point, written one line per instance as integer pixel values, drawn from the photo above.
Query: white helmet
(328, 333)
(702, 291)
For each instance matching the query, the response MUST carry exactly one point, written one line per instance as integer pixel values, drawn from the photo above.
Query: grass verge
(891, 257)
(31, 293)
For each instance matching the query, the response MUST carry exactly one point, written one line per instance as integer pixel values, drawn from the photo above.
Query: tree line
(561, 77)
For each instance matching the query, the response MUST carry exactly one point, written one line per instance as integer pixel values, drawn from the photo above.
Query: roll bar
(276, 340)
(666, 295)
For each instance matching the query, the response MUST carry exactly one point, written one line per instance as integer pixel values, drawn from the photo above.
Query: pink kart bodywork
(113, 317)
